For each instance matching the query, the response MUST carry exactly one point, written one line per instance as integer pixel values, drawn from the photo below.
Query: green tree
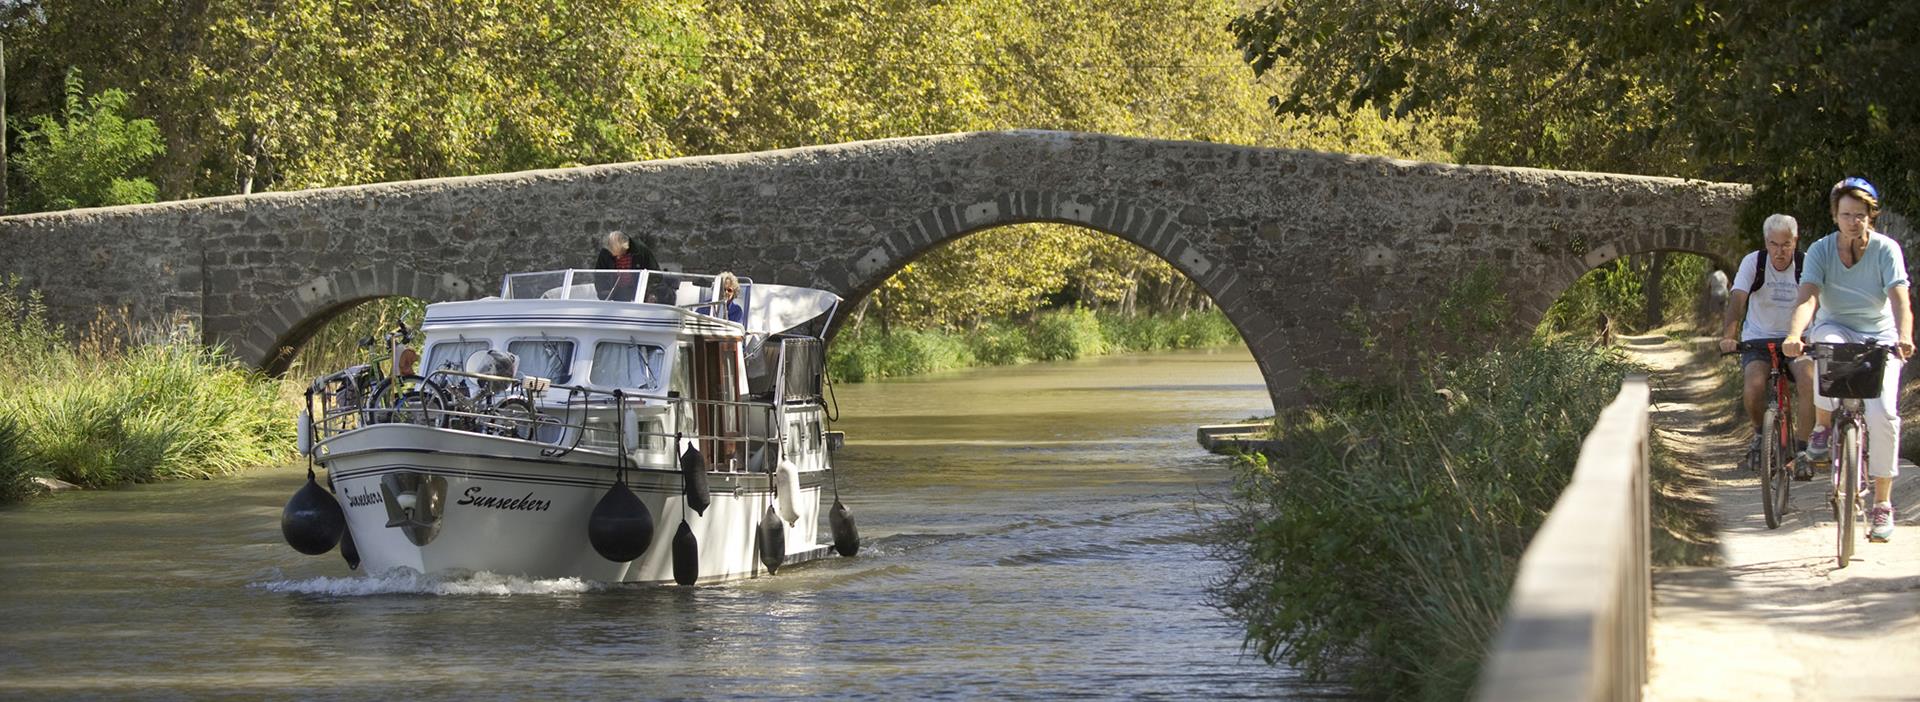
(1788, 96)
(84, 157)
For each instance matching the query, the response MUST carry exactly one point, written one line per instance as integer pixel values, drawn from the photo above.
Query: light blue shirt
(1856, 298)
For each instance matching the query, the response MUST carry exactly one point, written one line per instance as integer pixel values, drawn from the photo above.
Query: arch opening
(1639, 293)
(331, 339)
(1018, 291)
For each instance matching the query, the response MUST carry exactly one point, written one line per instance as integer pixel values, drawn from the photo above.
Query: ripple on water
(408, 582)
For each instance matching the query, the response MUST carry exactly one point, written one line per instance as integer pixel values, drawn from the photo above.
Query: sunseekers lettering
(525, 504)
(366, 498)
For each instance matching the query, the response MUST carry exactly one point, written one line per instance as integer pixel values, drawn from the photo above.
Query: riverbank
(866, 353)
(126, 405)
(1376, 542)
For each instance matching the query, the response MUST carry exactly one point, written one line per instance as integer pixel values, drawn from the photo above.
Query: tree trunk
(251, 163)
(1656, 294)
(3, 126)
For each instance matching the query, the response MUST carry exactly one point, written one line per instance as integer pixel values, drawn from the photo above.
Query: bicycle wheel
(1849, 480)
(1783, 466)
(513, 417)
(410, 399)
(1769, 466)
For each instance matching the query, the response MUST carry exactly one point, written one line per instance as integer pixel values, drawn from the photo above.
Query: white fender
(789, 503)
(303, 433)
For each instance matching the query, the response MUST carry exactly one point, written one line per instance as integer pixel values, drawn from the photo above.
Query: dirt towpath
(1776, 619)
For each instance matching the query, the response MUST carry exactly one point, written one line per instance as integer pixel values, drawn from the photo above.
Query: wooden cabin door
(717, 380)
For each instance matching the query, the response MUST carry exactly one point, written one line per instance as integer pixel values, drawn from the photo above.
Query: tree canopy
(1789, 96)
(313, 93)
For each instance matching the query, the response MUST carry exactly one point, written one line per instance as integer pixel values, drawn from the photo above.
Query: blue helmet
(1859, 184)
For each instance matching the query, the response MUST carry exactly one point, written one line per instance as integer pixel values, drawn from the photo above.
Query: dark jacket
(618, 286)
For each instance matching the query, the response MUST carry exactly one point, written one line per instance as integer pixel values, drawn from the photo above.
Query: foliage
(1613, 297)
(13, 457)
(1066, 335)
(1384, 532)
(84, 158)
(337, 344)
(866, 353)
(1788, 95)
(312, 94)
(95, 414)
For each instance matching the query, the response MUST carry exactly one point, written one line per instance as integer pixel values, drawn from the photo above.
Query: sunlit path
(1776, 619)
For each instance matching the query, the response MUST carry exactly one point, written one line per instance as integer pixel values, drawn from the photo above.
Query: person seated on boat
(407, 363)
(729, 294)
(620, 252)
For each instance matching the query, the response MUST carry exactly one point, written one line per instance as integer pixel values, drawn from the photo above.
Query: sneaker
(1753, 455)
(1802, 467)
(1882, 518)
(1817, 444)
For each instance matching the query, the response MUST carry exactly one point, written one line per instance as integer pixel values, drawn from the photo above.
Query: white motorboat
(618, 426)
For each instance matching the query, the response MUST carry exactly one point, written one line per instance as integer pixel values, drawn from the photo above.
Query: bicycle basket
(1853, 371)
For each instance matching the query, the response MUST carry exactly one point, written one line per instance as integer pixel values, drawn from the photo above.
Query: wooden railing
(1576, 621)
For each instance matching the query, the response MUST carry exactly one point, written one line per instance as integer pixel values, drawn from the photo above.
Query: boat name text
(526, 504)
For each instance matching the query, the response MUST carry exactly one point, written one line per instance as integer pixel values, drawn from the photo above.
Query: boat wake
(406, 582)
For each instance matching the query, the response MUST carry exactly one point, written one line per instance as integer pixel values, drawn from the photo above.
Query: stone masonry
(1290, 244)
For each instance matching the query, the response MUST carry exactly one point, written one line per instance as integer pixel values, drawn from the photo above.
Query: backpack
(1760, 273)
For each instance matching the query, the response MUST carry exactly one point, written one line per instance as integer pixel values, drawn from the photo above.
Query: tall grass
(120, 405)
(865, 353)
(1378, 543)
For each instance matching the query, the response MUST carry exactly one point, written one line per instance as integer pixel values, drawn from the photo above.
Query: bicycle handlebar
(1754, 345)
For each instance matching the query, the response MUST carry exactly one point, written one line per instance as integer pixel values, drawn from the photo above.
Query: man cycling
(1765, 289)
(1858, 278)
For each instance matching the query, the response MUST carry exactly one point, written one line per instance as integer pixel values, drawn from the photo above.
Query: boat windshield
(658, 287)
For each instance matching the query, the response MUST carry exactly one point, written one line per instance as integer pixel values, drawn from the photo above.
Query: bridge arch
(1156, 230)
(277, 335)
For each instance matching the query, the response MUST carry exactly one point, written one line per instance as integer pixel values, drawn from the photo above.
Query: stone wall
(1288, 243)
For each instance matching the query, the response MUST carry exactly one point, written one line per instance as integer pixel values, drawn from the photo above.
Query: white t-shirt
(1769, 311)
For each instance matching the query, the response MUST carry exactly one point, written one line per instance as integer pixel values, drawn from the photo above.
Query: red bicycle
(1775, 462)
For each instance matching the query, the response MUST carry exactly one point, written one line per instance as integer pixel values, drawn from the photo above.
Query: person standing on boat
(1858, 279)
(620, 252)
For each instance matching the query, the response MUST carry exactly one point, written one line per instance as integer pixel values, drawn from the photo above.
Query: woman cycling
(1858, 278)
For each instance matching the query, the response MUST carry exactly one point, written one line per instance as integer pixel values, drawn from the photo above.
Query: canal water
(1030, 532)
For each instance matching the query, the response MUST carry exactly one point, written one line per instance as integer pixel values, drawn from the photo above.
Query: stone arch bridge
(1313, 256)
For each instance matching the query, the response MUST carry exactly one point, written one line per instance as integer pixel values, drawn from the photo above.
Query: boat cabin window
(546, 358)
(453, 354)
(622, 364)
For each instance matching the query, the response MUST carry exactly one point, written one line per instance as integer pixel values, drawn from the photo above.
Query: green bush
(1379, 543)
(1067, 334)
(1000, 344)
(871, 355)
(93, 414)
(14, 461)
(863, 353)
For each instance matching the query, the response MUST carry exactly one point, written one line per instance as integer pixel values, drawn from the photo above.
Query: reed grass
(865, 353)
(125, 403)
(1377, 544)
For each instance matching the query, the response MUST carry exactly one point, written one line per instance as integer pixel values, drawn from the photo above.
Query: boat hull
(503, 507)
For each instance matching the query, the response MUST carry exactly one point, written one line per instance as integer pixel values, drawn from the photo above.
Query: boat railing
(638, 424)
(621, 285)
